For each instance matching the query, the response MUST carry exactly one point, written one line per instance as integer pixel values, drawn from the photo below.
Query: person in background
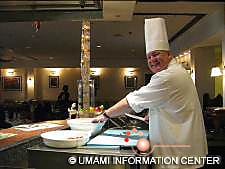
(175, 115)
(63, 102)
(64, 95)
(3, 123)
(218, 100)
(39, 112)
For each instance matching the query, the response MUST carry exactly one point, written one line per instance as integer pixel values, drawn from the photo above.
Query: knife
(135, 117)
(115, 123)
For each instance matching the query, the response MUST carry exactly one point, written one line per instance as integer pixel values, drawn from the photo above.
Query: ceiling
(116, 26)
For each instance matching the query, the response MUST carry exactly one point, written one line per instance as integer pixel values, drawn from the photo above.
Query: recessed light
(98, 46)
(117, 35)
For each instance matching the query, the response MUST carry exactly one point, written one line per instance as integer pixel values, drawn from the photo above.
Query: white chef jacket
(175, 115)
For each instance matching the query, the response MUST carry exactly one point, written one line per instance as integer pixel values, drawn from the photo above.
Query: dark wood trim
(178, 1)
(186, 14)
(49, 15)
(196, 19)
(186, 27)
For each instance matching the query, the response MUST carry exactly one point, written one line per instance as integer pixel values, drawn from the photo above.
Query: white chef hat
(156, 35)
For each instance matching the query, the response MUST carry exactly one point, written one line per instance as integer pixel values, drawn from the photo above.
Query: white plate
(65, 138)
(85, 124)
(82, 120)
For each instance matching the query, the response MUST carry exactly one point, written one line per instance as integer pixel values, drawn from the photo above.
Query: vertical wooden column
(85, 63)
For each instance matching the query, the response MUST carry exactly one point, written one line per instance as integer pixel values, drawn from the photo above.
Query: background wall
(218, 80)
(111, 84)
(204, 60)
(112, 87)
(14, 95)
(67, 76)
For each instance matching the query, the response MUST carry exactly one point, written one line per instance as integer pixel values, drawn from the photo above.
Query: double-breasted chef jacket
(175, 115)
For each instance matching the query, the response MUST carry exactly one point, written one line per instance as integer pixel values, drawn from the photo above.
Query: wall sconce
(184, 59)
(216, 71)
(96, 71)
(52, 72)
(30, 82)
(129, 71)
(10, 72)
(55, 71)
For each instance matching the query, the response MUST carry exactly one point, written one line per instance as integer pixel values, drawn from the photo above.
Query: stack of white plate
(65, 138)
(86, 125)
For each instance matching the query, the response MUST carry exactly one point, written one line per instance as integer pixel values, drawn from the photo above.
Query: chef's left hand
(100, 118)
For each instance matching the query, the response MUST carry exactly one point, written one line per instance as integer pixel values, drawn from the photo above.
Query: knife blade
(135, 117)
(115, 123)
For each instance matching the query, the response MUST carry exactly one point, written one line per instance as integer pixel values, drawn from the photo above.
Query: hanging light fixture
(36, 25)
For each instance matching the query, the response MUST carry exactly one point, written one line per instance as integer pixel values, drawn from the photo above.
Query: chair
(208, 117)
(212, 122)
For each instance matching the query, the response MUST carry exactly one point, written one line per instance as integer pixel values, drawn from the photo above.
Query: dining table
(217, 114)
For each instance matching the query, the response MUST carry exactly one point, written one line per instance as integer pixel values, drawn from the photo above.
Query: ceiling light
(98, 46)
(36, 25)
(118, 35)
(129, 71)
(10, 72)
(54, 71)
(96, 71)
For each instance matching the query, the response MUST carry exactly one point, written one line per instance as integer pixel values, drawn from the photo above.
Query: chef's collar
(173, 61)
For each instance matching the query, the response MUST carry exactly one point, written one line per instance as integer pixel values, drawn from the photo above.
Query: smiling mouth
(155, 65)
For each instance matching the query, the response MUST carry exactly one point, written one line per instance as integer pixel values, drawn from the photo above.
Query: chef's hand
(100, 118)
(146, 118)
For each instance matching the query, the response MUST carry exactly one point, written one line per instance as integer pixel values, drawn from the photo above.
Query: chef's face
(158, 60)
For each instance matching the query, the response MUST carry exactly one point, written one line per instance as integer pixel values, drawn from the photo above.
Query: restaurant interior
(41, 53)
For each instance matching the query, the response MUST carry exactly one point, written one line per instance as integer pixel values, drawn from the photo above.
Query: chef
(175, 115)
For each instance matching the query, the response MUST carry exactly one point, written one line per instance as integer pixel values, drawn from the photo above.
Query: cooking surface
(116, 137)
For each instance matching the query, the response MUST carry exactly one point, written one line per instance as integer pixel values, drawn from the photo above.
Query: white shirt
(175, 115)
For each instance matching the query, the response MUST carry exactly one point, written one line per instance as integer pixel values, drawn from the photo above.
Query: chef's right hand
(100, 118)
(146, 118)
